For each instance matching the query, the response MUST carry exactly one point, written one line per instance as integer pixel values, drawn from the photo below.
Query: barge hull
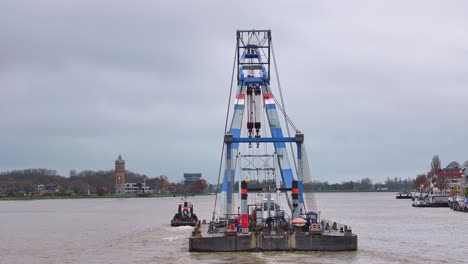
(278, 242)
(246, 243)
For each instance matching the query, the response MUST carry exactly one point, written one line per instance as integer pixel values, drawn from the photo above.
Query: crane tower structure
(255, 121)
(255, 145)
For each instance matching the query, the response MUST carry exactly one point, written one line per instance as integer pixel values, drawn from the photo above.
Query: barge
(279, 240)
(256, 233)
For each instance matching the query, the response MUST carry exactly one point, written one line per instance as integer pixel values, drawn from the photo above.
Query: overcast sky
(377, 87)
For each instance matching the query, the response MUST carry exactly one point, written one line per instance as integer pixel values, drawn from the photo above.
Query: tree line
(365, 184)
(20, 182)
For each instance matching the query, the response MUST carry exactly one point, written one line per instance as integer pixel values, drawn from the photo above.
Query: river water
(137, 230)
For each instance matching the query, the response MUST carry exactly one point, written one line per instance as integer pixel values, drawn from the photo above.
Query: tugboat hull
(404, 197)
(185, 215)
(183, 223)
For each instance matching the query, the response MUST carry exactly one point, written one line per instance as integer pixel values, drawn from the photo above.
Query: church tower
(120, 175)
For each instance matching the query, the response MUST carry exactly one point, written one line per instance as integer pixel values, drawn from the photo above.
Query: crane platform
(264, 240)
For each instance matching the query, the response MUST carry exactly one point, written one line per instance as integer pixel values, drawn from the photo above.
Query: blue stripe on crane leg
(276, 132)
(224, 184)
(287, 178)
(301, 196)
(229, 181)
(229, 191)
(279, 145)
(236, 134)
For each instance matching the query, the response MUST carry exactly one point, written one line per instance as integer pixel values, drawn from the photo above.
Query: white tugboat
(432, 197)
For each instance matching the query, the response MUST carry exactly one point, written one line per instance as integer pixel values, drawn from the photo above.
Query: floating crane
(255, 99)
(255, 142)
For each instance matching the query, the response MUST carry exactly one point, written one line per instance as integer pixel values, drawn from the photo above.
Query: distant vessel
(404, 195)
(458, 203)
(432, 198)
(184, 215)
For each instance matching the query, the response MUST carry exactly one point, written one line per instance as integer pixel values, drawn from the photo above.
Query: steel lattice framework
(253, 86)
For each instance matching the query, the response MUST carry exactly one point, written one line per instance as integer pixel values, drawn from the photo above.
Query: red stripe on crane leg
(245, 221)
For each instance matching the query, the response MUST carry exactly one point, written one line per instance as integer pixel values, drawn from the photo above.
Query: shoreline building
(49, 188)
(120, 175)
(190, 178)
(123, 187)
(447, 178)
(137, 188)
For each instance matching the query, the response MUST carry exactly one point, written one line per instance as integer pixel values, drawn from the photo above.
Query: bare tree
(421, 181)
(435, 164)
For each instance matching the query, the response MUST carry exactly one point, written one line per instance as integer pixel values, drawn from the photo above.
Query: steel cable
(283, 106)
(225, 130)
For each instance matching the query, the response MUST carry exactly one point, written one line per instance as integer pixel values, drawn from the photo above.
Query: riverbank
(353, 191)
(50, 197)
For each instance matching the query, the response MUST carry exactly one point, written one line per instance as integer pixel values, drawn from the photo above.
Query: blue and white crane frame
(253, 79)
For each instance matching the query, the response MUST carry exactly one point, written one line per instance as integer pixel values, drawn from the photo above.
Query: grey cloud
(377, 88)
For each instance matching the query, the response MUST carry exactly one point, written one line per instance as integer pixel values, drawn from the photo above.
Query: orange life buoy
(315, 226)
(231, 228)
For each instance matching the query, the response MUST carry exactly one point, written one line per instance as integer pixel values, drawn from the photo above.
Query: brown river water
(137, 230)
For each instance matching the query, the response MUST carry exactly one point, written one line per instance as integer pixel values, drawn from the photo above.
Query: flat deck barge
(292, 239)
